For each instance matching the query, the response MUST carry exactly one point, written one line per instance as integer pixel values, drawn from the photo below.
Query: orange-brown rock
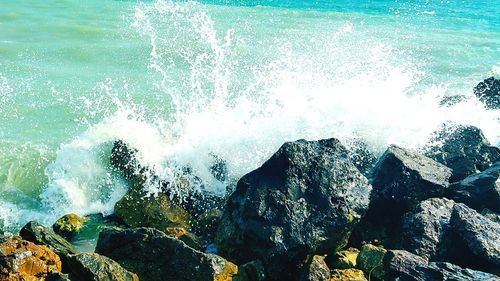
(23, 260)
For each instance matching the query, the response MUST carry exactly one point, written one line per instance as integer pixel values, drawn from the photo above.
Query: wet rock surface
(402, 178)
(479, 191)
(69, 225)
(24, 260)
(488, 92)
(426, 228)
(479, 235)
(153, 255)
(304, 200)
(94, 267)
(42, 235)
(464, 149)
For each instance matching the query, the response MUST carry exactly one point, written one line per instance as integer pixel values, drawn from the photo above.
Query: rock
(488, 92)
(449, 101)
(24, 260)
(56, 276)
(138, 208)
(190, 239)
(250, 271)
(426, 228)
(479, 235)
(94, 267)
(492, 216)
(69, 224)
(401, 264)
(304, 200)
(344, 259)
(153, 255)
(315, 270)
(479, 191)
(403, 178)
(347, 275)
(124, 159)
(41, 235)
(464, 149)
(443, 271)
(205, 225)
(370, 260)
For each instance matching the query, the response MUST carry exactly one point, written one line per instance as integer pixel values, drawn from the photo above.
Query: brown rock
(23, 260)
(348, 275)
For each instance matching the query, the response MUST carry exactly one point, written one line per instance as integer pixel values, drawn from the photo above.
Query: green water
(181, 80)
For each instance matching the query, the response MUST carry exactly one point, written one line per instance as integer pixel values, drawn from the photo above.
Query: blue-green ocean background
(183, 81)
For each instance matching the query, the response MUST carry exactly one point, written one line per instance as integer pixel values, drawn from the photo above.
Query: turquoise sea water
(184, 80)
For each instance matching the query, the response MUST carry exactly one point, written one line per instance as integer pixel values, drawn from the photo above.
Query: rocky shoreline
(314, 211)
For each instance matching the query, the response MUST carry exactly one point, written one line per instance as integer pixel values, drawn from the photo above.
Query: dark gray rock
(251, 271)
(479, 191)
(488, 92)
(153, 255)
(425, 229)
(361, 155)
(304, 200)
(443, 271)
(56, 276)
(464, 149)
(42, 235)
(402, 178)
(94, 267)
(477, 234)
(401, 264)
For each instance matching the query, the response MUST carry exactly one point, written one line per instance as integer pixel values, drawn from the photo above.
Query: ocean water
(183, 81)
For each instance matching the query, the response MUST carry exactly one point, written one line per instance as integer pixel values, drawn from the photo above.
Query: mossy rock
(347, 275)
(370, 260)
(138, 208)
(69, 224)
(344, 259)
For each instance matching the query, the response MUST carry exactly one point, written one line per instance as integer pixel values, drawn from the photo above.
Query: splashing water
(237, 82)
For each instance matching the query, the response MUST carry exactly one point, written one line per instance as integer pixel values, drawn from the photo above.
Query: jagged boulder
(479, 236)
(344, 259)
(56, 276)
(464, 149)
(315, 270)
(190, 239)
(488, 92)
(69, 225)
(304, 200)
(491, 215)
(426, 228)
(401, 264)
(403, 178)
(24, 260)
(153, 255)
(479, 191)
(251, 271)
(94, 267)
(42, 235)
(140, 208)
(443, 271)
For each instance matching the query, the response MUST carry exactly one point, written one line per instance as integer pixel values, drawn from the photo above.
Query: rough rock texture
(492, 216)
(348, 275)
(315, 270)
(403, 178)
(56, 276)
(94, 267)
(69, 224)
(42, 235)
(464, 149)
(138, 208)
(344, 259)
(153, 256)
(250, 271)
(478, 234)
(488, 92)
(401, 264)
(304, 200)
(426, 228)
(190, 239)
(443, 271)
(23, 260)
(479, 191)
(370, 260)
